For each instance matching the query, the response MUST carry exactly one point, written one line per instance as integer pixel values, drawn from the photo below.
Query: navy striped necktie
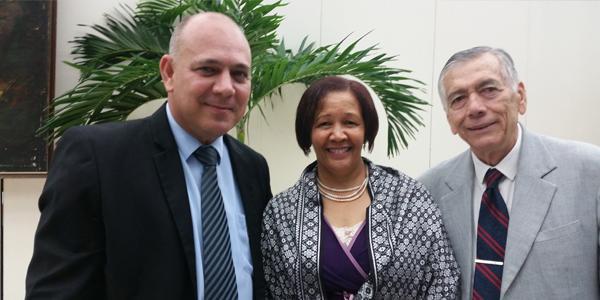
(492, 229)
(217, 262)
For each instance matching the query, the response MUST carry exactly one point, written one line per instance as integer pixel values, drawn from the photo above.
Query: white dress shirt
(508, 166)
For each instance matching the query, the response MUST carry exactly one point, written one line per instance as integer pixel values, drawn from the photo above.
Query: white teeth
(339, 150)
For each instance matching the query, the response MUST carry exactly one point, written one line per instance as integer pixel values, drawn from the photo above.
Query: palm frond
(122, 38)
(106, 95)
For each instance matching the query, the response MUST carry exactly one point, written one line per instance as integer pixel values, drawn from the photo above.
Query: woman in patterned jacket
(350, 229)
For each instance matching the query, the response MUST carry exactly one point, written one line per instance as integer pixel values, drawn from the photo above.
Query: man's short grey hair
(508, 71)
(174, 41)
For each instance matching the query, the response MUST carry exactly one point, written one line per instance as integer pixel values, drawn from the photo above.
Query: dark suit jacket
(115, 219)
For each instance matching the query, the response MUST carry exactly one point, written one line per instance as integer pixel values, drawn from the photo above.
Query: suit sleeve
(68, 255)
(267, 180)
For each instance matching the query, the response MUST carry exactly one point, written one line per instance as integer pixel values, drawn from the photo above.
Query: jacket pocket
(560, 231)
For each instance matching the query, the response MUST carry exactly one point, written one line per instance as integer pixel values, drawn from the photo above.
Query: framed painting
(27, 42)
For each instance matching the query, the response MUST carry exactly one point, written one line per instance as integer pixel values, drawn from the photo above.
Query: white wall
(555, 45)
(20, 220)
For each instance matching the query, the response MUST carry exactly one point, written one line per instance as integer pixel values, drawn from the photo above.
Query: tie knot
(207, 155)
(492, 178)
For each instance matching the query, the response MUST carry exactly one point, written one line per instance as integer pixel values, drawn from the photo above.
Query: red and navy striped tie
(219, 272)
(492, 229)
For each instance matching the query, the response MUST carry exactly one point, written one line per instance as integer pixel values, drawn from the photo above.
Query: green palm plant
(118, 63)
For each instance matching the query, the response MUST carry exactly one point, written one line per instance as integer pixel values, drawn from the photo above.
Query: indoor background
(555, 45)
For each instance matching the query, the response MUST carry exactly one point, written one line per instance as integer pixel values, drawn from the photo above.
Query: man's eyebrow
(241, 66)
(211, 61)
(485, 82)
(207, 61)
(453, 93)
(489, 81)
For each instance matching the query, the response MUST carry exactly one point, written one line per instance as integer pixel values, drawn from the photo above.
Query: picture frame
(27, 61)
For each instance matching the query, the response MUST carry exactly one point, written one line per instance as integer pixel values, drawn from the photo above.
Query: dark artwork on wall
(26, 82)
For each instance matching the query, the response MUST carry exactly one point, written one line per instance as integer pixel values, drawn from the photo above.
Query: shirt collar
(186, 143)
(508, 165)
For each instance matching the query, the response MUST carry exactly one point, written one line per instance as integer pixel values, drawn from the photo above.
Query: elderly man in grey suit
(521, 209)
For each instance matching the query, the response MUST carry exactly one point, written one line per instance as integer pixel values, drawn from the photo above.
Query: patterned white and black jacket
(410, 254)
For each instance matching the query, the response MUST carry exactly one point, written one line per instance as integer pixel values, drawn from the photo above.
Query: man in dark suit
(121, 213)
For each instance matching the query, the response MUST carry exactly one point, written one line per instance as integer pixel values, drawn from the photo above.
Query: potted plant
(118, 63)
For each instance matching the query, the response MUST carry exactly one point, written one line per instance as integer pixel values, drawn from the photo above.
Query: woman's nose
(337, 133)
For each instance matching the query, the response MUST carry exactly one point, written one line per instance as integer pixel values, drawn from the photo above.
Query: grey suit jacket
(552, 245)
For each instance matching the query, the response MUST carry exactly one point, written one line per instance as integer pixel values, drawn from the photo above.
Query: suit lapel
(457, 207)
(531, 200)
(170, 172)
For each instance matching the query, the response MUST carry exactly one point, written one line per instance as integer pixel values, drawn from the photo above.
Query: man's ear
(166, 71)
(522, 98)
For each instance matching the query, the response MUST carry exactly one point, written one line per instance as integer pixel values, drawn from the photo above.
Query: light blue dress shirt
(236, 219)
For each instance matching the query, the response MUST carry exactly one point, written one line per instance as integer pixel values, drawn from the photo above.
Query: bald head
(203, 23)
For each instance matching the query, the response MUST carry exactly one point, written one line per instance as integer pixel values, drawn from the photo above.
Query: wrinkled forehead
(463, 74)
(219, 47)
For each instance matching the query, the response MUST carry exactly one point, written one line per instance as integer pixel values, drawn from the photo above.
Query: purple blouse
(344, 269)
